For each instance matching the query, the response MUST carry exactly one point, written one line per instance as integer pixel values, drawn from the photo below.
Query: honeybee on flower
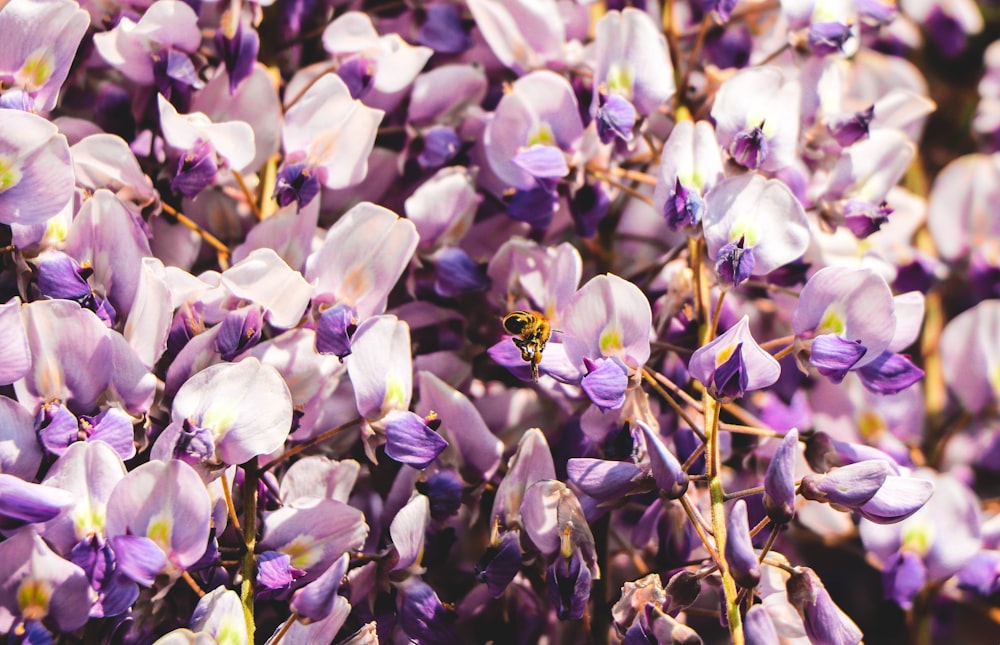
(531, 331)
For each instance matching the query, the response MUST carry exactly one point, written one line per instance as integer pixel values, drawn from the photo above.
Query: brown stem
(305, 445)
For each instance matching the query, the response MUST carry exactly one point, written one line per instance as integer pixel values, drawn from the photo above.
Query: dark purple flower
(500, 563)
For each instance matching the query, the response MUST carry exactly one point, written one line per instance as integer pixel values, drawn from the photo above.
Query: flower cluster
(496, 320)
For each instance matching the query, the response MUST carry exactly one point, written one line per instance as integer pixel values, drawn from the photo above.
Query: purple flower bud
(848, 486)
(824, 621)
(821, 454)
(442, 30)
(239, 331)
(23, 503)
(568, 581)
(441, 144)
(605, 481)
(740, 556)
(456, 274)
(750, 147)
(500, 563)
(238, 52)
(852, 128)
(897, 499)
(889, 373)
(334, 330)
(358, 73)
(410, 441)
(827, 38)
(666, 469)
(296, 182)
(779, 480)
(683, 208)
(195, 170)
(683, 589)
(615, 118)
(834, 356)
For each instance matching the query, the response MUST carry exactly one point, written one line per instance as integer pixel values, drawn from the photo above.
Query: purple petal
(740, 555)
(410, 441)
(500, 564)
(834, 356)
(138, 557)
(605, 386)
(603, 480)
(889, 373)
(897, 499)
(903, 576)
(670, 478)
(779, 480)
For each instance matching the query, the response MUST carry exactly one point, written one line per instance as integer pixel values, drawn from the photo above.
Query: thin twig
(251, 200)
(305, 445)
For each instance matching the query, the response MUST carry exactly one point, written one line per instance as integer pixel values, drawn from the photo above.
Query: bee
(531, 331)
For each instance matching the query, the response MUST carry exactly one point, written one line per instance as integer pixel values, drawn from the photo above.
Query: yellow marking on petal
(744, 229)
(159, 531)
(994, 378)
(218, 418)
(611, 341)
(37, 70)
(302, 552)
(871, 426)
(356, 283)
(724, 355)
(10, 173)
(619, 80)
(229, 633)
(832, 322)
(88, 519)
(33, 598)
(395, 394)
(542, 136)
(917, 538)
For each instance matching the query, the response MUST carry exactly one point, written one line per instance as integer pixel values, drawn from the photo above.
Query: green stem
(250, 479)
(718, 497)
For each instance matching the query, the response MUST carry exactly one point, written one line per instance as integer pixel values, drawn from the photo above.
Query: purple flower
(36, 179)
(539, 112)
(331, 133)
(733, 364)
(756, 113)
(44, 37)
(753, 226)
(740, 555)
(632, 64)
(38, 585)
(824, 621)
(691, 167)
